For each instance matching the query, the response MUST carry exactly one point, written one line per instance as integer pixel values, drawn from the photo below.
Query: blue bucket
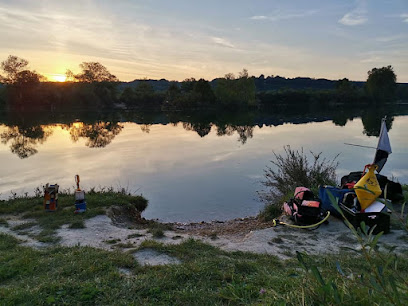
(80, 207)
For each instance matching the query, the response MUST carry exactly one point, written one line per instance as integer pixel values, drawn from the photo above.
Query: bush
(291, 170)
(138, 202)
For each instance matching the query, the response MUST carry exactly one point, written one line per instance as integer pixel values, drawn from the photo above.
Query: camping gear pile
(357, 198)
(51, 197)
(359, 194)
(359, 202)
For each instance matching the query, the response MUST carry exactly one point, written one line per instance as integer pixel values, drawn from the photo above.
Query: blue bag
(337, 193)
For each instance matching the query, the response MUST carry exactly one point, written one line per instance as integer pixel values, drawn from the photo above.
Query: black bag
(304, 208)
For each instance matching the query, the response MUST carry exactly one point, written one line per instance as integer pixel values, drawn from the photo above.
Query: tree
(381, 84)
(92, 72)
(240, 91)
(345, 91)
(16, 72)
(188, 84)
(204, 92)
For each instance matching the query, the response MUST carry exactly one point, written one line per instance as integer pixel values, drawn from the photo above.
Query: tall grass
(381, 274)
(291, 169)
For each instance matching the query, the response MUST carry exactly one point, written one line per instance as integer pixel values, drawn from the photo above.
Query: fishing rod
(356, 145)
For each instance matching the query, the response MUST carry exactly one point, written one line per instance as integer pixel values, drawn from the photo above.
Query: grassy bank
(97, 204)
(206, 276)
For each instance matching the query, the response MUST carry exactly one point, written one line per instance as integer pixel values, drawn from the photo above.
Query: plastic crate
(380, 219)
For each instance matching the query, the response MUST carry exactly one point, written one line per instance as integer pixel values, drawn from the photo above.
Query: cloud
(372, 59)
(276, 16)
(259, 17)
(222, 42)
(391, 38)
(404, 17)
(357, 16)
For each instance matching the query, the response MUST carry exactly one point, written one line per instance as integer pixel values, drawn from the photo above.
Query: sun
(59, 77)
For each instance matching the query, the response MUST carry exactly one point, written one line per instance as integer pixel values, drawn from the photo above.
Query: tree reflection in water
(372, 123)
(98, 135)
(202, 129)
(145, 128)
(24, 139)
(244, 131)
(25, 133)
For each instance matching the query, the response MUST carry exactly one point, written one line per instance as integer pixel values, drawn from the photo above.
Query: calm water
(189, 170)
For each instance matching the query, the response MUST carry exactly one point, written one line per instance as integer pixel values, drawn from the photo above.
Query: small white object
(79, 195)
(375, 207)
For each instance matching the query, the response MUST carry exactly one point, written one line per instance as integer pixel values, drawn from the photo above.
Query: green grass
(156, 232)
(77, 224)
(3, 222)
(206, 276)
(157, 229)
(24, 226)
(97, 203)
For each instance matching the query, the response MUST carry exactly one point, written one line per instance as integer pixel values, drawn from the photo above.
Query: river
(189, 169)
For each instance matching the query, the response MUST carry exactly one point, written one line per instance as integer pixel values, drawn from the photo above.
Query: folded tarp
(338, 195)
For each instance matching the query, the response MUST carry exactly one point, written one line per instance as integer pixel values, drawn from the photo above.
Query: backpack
(304, 207)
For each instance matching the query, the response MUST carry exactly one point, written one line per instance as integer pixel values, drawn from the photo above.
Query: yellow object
(367, 188)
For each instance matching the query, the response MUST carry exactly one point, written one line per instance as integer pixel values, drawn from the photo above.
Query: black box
(381, 219)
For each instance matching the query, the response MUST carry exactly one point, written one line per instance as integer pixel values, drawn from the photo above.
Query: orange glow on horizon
(58, 77)
(55, 77)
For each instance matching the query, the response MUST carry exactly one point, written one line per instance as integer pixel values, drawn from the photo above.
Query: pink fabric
(287, 209)
(299, 192)
(310, 203)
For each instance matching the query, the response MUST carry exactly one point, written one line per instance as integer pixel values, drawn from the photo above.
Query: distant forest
(95, 88)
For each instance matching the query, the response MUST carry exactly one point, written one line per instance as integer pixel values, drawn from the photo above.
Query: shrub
(139, 202)
(291, 170)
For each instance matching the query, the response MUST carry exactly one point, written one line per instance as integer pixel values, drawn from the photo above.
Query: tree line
(96, 88)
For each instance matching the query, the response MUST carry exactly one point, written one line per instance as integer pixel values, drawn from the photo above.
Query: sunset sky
(187, 38)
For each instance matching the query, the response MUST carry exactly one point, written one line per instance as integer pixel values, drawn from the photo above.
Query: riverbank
(106, 257)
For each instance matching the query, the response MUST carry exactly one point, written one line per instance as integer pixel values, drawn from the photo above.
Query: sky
(180, 39)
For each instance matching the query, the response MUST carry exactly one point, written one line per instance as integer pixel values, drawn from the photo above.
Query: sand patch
(150, 257)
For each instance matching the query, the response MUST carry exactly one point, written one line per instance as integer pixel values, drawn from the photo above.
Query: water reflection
(372, 123)
(97, 135)
(24, 133)
(23, 139)
(202, 129)
(190, 167)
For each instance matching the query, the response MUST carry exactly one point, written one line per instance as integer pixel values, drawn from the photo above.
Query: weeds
(24, 226)
(77, 224)
(378, 279)
(290, 170)
(156, 232)
(3, 222)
